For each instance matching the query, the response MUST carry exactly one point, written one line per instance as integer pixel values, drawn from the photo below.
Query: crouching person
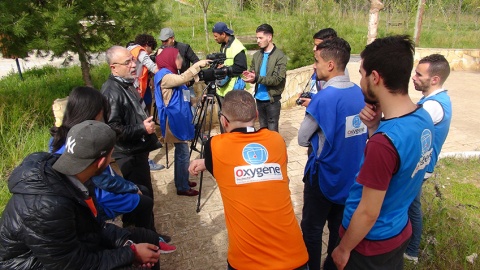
(49, 223)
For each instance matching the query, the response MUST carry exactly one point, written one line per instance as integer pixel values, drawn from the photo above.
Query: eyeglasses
(129, 62)
(220, 113)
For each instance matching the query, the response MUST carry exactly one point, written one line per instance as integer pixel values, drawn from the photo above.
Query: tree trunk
(204, 4)
(84, 64)
(418, 22)
(375, 7)
(205, 26)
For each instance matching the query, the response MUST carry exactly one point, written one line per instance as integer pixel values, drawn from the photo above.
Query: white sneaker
(412, 259)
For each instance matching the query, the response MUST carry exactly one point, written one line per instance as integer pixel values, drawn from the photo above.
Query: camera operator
(236, 59)
(268, 71)
(250, 167)
(173, 103)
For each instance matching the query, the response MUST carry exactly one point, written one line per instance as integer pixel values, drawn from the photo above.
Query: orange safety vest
(251, 172)
(143, 78)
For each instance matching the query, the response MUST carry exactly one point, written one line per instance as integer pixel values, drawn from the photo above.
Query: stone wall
(295, 84)
(459, 59)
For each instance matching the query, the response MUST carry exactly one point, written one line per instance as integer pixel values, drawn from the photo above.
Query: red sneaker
(164, 247)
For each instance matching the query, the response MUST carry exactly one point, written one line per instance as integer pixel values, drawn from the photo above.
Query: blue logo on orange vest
(255, 154)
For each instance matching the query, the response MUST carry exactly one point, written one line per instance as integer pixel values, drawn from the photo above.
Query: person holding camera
(236, 59)
(268, 71)
(336, 137)
(250, 167)
(173, 103)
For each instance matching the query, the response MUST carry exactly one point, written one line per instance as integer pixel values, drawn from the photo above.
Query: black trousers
(135, 168)
(317, 210)
(392, 260)
(142, 215)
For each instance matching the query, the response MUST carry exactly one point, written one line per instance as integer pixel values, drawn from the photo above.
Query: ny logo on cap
(70, 144)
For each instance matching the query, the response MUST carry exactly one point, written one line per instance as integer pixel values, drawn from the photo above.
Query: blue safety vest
(412, 137)
(177, 112)
(442, 127)
(336, 112)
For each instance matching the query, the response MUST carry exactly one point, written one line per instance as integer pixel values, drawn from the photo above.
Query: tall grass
(294, 29)
(451, 209)
(26, 111)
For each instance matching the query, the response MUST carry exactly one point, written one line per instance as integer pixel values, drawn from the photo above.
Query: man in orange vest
(252, 176)
(141, 49)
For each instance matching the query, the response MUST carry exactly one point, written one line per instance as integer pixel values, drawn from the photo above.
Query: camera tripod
(203, 121)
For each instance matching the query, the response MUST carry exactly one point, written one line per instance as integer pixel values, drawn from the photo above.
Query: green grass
(294, 30)
(26, 112)
(451, 207)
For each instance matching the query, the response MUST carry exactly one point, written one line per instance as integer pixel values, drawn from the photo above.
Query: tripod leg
(210, 104)
(200, 116)
(166, 154)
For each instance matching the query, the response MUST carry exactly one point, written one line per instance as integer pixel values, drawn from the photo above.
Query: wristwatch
(128, 243)
(131, 244)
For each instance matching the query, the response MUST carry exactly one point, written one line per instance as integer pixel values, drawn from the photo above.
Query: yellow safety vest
(235, 48)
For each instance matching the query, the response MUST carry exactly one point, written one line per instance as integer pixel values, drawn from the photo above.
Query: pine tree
(79, 26)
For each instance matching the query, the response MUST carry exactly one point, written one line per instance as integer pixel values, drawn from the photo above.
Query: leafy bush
(26, 112)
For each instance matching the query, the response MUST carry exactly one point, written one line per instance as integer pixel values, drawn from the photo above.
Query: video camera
(214, 73)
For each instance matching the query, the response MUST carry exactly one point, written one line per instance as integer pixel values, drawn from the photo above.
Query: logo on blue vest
(356, 122)
(426, 140)
(255, 154)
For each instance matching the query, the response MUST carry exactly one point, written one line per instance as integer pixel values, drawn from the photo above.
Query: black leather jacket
(127, 116)
(47, 224)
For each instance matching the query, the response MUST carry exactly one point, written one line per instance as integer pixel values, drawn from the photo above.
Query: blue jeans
(415, 216)
(180, 168)
(317, 210)
(269, 114)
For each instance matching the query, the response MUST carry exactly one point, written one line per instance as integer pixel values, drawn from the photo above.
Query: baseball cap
(221, 27)
(166, 33)
(86, 142)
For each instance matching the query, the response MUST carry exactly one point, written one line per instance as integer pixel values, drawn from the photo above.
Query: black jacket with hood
(47, 224)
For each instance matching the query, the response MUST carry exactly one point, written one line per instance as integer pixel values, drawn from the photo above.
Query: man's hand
(370, 116)
(197, 166)
(146, 254)
(340, 257)
(149, 125)
(248, 77)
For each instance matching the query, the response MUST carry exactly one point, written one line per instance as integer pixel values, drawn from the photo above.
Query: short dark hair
(266, 28)
(336, 49)
(145, 39)
(326, 33)
(439, 66)
(239, 106)
(392, 58)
